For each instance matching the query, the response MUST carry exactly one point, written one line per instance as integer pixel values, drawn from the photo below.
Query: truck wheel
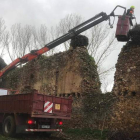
(9, 126)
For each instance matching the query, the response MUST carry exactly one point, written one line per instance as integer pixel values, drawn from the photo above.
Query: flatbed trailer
(33, 112)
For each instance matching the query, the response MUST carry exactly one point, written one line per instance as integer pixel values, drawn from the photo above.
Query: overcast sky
(49, 12)
(36, 12)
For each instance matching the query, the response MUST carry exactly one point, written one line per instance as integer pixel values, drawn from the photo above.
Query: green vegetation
(7, 138)
(87, 133)
(71, 134)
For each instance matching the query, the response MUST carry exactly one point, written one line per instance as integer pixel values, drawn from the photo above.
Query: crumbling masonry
(127, 76)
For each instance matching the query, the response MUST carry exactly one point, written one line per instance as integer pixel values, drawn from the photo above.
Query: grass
(6, 138)
(88, 133)
(71, 134)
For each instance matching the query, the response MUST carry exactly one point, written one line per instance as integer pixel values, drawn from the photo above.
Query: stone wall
(127, 89)
(65, 73)
(127, 75)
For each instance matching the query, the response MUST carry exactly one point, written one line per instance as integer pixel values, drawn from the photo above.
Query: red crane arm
(24, 59)
(10, 66)
(31, 56)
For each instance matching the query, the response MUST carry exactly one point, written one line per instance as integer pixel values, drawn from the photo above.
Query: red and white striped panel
(48, 106)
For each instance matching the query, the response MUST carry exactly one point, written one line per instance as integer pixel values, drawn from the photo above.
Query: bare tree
(67, 23)
(40, 36)
(22, 40)
(18, 41)
(101, 43)
(2, 36)
(53, 35)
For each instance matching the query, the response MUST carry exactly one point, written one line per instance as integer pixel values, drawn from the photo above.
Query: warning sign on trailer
(57, 106)
(48, 106)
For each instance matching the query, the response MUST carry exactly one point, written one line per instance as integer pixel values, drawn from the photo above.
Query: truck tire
(9, 126)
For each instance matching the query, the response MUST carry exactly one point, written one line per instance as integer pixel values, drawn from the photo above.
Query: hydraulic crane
(120, 34)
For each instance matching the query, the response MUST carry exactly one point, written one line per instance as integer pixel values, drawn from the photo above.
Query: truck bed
(37, 105)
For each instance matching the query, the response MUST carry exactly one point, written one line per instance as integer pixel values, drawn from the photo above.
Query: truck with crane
(36, 112)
